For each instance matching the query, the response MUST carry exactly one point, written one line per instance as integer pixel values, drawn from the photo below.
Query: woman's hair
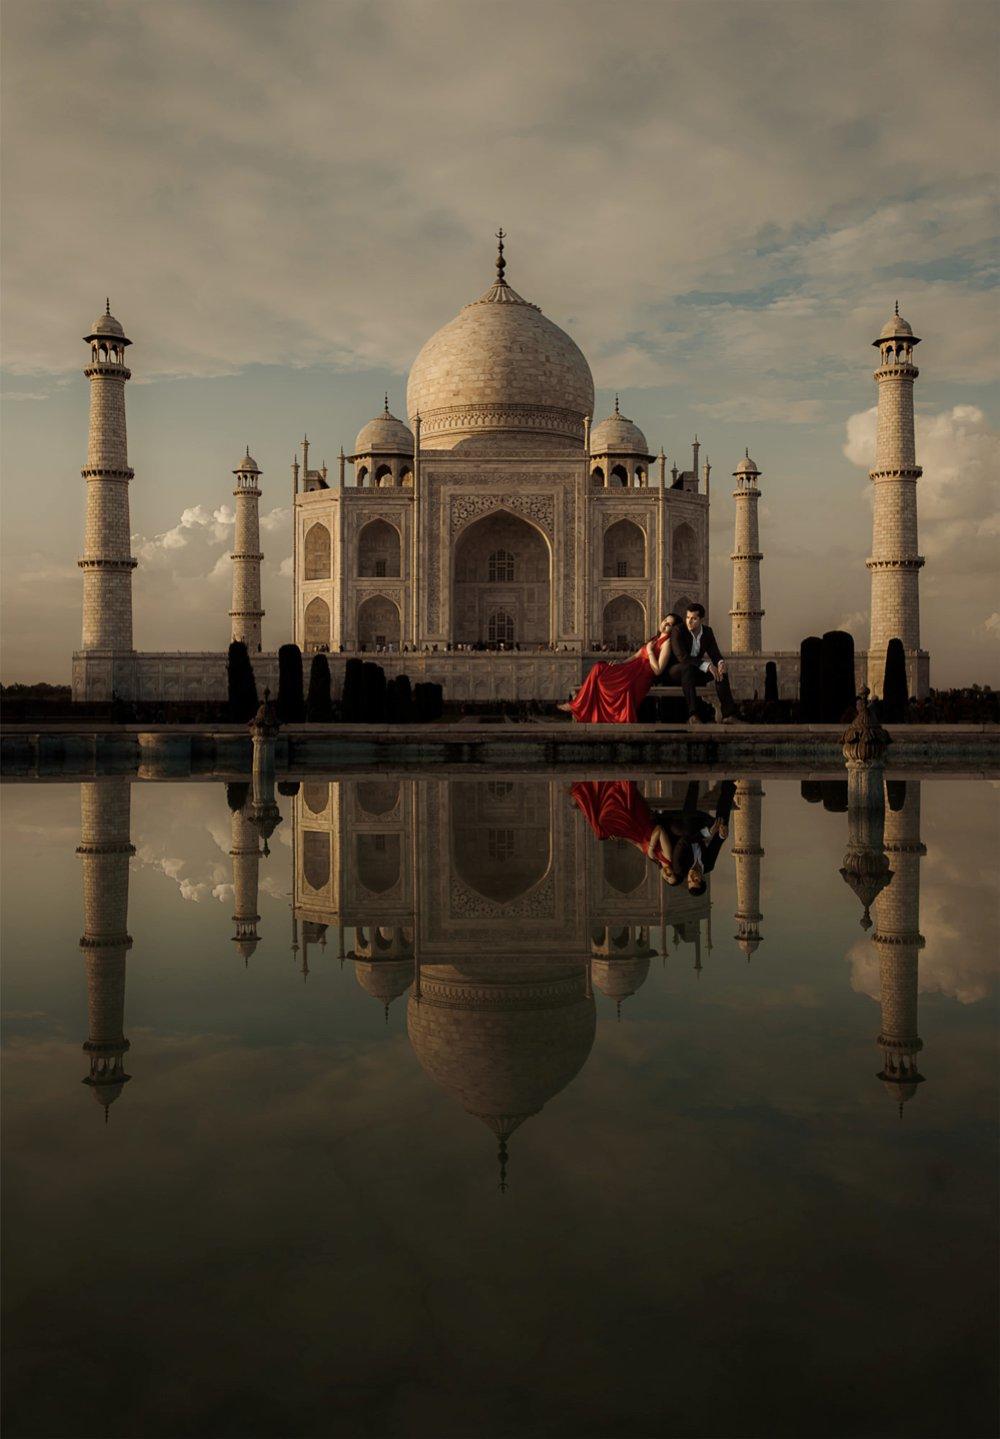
(674, 616)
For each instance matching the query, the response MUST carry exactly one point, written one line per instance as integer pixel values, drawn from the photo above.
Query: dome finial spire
(897, 309)
(501, 262)
(617, 411)
(387, 402)
(107, 305)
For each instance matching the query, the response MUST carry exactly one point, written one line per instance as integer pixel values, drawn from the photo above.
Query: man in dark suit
(696, 837)
(695, 658)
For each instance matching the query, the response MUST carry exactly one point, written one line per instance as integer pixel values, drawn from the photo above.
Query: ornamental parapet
(896, 472)
(107, 472)
(918, 848)
(90, 563)
(106, 1046)
(914, 1045)
(111, 848)
(106, 371)
(915, 940)
(746, 614)
(906, 370)
(913, 562)
(106, 941)
(747, 555)
(246, 556)
(746, 849)
(247, 614)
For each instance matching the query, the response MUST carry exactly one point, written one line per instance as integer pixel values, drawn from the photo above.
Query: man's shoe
(695, 719)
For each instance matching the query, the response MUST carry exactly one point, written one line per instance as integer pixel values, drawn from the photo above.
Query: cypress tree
(242, 686)
(404, 700)
(372, 693)
(770, 683)
(350, 700)
(319, 710)
(894, 689)
(810, 668)
(291, 707)
(837, 685)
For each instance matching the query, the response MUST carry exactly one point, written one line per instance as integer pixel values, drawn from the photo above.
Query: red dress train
(613, 692)
(615, 809)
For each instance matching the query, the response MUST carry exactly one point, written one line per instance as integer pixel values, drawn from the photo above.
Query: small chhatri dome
(500, 376)
(385, 435)
(618, 435)
(248, 465)
(107, 327)
(746, 466)
(896, 328)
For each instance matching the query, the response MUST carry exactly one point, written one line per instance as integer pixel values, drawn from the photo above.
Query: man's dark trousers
(689, 676)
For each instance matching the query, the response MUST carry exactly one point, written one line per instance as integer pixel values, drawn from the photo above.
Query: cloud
(991, 624)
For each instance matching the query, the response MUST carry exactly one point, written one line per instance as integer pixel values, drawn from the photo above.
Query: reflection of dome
(246, 944)
(619, 978)
(384, 979)
(500, 367)
(618, 436)
(385, 435)
(749, 944)
(502, 1036)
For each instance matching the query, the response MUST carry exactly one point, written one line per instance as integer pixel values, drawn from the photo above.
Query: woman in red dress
(613, 692)
(615, 809)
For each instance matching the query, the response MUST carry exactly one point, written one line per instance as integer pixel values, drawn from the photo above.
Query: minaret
(105, 846)
(746, 612)
(246, 855)
(748, 854)
(894, 563)
(246, 613)
(898, 941)
(107, 561)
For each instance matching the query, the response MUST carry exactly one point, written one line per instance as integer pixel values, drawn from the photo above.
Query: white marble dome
(500, 376)
(618, 436)
(385, 435)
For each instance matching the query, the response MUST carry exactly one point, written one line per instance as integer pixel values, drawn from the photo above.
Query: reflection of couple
(684, 843)
(687, 652)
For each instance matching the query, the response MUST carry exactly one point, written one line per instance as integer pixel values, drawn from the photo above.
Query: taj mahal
(496, 541)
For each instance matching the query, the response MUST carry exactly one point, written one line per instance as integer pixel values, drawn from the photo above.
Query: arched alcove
(317, 553)
(317, 625)
(377, 861)
(624, 865)
(624, 623)
(378, 796)
(379, 550)
(619, 477)
(501, 564)
(383, 477)
(316, 858)
(624, 551)
(501, 842)
(316, 795)
(684, 551)
(378, 622)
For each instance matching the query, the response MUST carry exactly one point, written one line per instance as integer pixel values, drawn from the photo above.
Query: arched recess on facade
(379, 550)
(317, 625)
(316, 795)
(619, 478)
(518, 556)
(624, 623)
(383, 477)
(501, 842)
(378, 796)
(317, 553)
(684, 551)
(378, 622)
(316, 858)
(597, 476)
(378, 861)
(624, 551)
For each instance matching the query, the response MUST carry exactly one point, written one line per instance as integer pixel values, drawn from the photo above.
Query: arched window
(500, 630)
(406, 477)
(361, 477)
(383, 476)
(316, 794)
(501, 565)
(378, 623)
(684, 551)
(378, 859)
(378, 550)
(597, 475)
(317, 626)
(317, 553)
(619, 477)
(316, 858)
(624, 551)
(624, 623)
(378, 796)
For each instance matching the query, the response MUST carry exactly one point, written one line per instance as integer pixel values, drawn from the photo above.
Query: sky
(719, 202)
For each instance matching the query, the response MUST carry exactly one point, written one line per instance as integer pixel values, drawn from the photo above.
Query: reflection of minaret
(898, 941)
(748, 854)
(105, 846)
(246, 853)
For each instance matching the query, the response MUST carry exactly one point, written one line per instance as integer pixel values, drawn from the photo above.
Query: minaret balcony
(894, 472)
(106, 472)
(903, 371)
(749, 555)
(913, 562)
(107, 370)
(105, 941)
(90, 562)
(246, 556)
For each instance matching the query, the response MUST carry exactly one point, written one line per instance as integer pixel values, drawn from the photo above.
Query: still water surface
(446, 1116)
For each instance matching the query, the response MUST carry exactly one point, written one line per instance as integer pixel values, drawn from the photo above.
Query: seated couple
(683, 843)
(685, 653)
